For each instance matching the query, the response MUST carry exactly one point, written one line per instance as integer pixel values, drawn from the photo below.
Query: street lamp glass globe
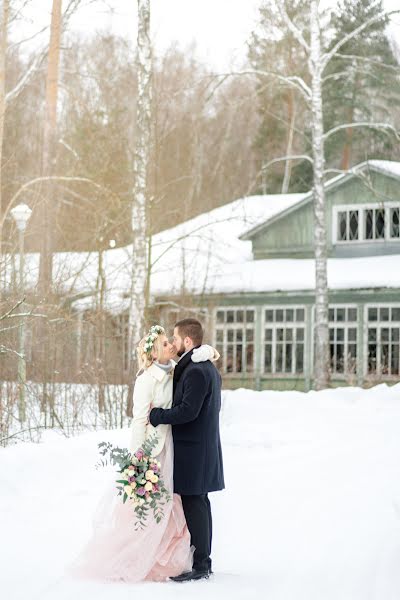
(21, 215)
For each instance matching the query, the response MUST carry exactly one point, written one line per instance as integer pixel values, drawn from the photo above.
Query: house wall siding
(292, 235)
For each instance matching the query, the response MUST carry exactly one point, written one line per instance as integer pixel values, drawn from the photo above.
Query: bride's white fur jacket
(153, 389)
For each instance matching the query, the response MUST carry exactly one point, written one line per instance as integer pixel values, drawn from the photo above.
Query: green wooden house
(259, 309)
(247, 270)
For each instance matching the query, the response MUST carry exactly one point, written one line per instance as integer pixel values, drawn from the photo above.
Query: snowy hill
(311, 510)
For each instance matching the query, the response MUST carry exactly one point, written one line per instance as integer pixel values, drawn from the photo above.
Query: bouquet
(139, 480)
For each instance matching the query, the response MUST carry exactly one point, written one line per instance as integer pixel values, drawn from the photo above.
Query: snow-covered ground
(311, 510)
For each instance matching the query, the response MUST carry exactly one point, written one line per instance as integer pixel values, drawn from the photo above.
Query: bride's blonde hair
(150, 342)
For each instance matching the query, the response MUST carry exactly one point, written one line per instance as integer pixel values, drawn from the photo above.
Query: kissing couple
(179, 403)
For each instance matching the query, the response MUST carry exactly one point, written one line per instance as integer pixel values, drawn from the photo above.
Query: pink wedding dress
(116, 552)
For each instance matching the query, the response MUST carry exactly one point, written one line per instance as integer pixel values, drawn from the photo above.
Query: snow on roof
(390, 167)
(183, 255)
(205, 255)
(274, 275)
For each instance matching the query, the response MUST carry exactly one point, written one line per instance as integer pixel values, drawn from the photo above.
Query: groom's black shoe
(192, 575)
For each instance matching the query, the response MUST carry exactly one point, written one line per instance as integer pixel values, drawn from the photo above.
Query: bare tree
(49, 138)
(5, 9)
(141, 170)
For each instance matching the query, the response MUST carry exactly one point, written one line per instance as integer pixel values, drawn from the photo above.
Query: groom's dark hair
(191, 328)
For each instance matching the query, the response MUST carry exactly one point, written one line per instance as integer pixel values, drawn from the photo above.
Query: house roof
(207, 255)
(287, 275)
(183, 255)
(386, 167)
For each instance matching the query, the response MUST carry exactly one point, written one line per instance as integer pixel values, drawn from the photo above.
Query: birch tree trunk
(289, 146)
(140, 193)
(5, 12)
(49, 148)
(320, 242)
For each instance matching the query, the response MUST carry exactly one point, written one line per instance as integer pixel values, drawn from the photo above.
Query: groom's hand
(154, 416)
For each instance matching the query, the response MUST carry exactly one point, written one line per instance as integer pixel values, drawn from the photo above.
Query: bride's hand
(205, 352)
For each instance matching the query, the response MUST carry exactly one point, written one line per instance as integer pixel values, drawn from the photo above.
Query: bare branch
(370, 61)
(284, 158)
(384, 127)
(292, 27)
(32, 182)
(327, 57)
(4, 350)
(12, 309)
(291, 80)
(34, 66)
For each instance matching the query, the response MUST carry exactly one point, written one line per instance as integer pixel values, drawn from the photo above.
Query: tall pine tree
(283, 127)
(362, 85)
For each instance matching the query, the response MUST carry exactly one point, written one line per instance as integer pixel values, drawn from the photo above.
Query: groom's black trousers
(197, 511)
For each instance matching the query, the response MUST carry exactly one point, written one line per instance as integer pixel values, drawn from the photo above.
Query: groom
(194, 417)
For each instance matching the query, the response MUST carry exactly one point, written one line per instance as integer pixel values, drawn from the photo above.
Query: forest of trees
(318, 92)
(210, 141)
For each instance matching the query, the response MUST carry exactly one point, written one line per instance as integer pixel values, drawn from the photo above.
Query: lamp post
(21, 215)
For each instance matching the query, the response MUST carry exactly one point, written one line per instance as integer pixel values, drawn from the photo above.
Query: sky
(219, 28)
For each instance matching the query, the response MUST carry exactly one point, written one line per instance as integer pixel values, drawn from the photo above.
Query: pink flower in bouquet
(141, 491)
(156, 487)
(139, 454)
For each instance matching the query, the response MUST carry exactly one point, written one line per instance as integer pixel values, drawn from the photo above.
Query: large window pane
(352, 314)
(342, 226)
(268, 358)
(250, 358)
(234, 338)
(299, 358)
(250, 316)
(288, 358)
(279, 358)
(394, 223)
(229, 359)
(283, 341)
(340, 314)
(269, 316)
(239, 358)
(220, 316)
(353, 225)
(369, 224)
(343, 339)
(380, 223)
(340, 358)
(394, 365)
(395, 314)
(384, 341)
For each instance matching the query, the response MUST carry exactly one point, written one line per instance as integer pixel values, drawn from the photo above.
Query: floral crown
(151, 337)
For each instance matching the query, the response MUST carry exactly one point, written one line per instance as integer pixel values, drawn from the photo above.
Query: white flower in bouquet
(128, 490)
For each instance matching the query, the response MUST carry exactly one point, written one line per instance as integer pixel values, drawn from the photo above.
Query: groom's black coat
(194, 417)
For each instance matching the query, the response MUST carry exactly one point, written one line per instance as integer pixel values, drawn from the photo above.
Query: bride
(116, 551)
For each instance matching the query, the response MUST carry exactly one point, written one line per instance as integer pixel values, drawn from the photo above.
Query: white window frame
(346, 325)
(362, 208)
(274, 325)
(235, 325)
(379, 325)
